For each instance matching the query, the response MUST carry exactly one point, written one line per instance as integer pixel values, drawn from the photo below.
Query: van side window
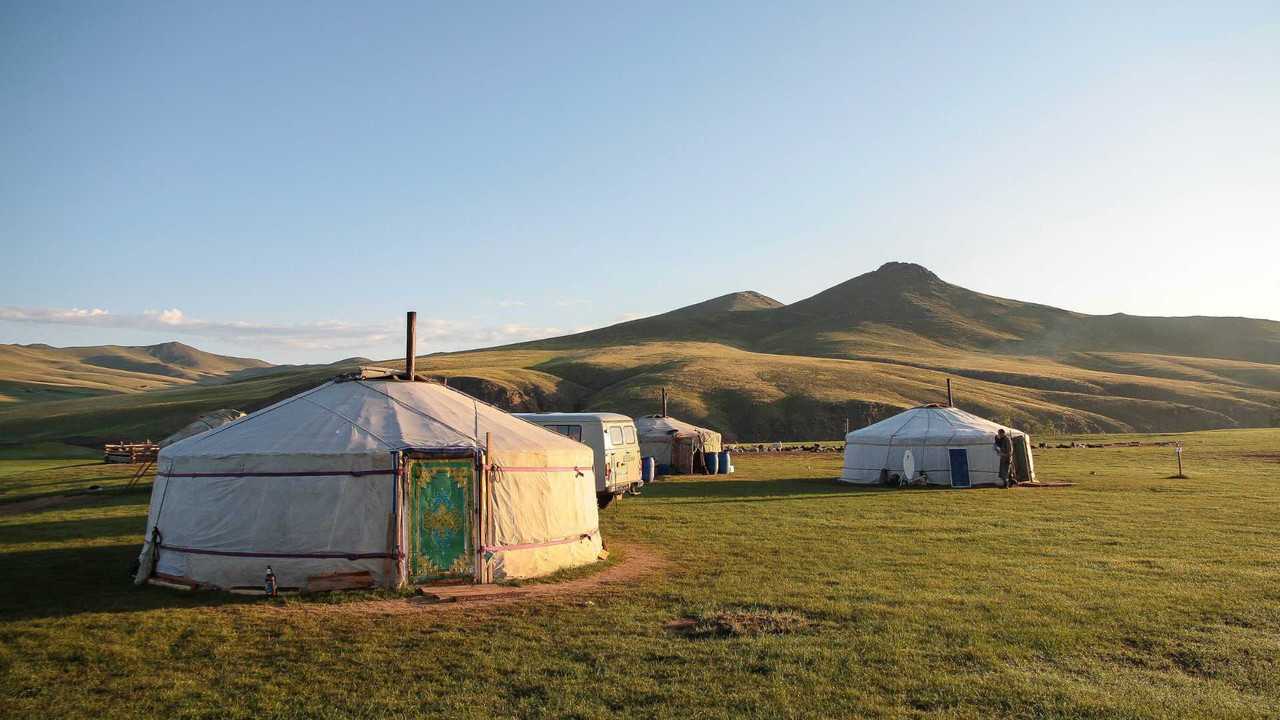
(570, 431)
(630, 434)
(615, 435)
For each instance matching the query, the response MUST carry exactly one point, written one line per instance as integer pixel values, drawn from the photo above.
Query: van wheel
(603, 500)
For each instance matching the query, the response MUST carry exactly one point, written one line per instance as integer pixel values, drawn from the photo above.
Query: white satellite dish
(908, 466)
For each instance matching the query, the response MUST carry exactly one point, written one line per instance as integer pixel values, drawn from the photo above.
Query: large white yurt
(675, 444)
(934, 445)
(370, 480)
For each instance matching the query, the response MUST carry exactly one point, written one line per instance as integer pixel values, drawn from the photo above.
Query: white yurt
(208, 421)
(675, 444)
(933, 445)
(370, 480)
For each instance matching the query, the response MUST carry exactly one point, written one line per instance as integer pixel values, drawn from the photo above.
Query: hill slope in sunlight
(759, 369)
(34, 373)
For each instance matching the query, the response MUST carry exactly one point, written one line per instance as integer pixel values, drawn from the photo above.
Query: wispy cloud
(511, 303)
(434, 334)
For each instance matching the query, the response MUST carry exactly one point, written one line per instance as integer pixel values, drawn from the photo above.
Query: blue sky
(285, 181)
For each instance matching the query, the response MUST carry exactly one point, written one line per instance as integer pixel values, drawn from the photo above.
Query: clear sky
(283, 180)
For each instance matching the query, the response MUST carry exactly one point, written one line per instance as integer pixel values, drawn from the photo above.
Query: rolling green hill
(762, 370)
(37, 373)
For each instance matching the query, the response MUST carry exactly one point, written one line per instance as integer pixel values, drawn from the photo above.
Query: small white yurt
(370, 480)
(934, 445)
(678, 446)
(208, 421)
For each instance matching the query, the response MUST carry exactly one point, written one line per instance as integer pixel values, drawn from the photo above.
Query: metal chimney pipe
(664, 402)
(949, 403)
(410, 343)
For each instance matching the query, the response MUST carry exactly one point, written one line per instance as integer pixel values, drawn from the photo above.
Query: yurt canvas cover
(208, 421)
(675, 443)
(941, 440)
(371, 481)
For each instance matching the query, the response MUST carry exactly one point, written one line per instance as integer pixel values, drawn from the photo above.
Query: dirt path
(638, 561)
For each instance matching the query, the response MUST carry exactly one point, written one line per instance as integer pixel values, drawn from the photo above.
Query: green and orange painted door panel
(439, 507)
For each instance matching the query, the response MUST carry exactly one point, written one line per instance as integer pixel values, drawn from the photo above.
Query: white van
(611, 436)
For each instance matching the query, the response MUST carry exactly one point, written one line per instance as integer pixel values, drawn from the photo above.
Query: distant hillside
(761, 370)
(903, 307)
(36, 373)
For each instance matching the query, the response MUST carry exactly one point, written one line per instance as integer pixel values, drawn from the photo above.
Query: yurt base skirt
(515, 562)
(236, 571)
(241, 572)
(980, 466)
(937, 479)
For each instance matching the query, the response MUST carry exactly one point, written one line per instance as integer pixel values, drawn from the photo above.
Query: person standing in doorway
(1004, 446)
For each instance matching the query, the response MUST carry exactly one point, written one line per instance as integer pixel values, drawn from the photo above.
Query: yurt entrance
(439, 507)
(959, 468)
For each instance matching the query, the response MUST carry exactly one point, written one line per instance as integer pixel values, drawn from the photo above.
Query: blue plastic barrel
(647, 467)
(712, 461)
(726, 464)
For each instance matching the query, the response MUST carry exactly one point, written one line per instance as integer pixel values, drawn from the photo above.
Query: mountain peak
(171, 346)
(733, 302)
(183, 355)
(906, 271)
(883, 288)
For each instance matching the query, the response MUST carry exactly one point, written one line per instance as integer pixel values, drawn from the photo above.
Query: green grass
(30, 478)
(1126, 596)
(47, 451)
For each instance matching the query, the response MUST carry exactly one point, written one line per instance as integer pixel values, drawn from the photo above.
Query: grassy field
(1129, 595)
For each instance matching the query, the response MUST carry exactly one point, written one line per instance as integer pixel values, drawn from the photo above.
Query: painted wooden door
(959, 468)
(439, 510)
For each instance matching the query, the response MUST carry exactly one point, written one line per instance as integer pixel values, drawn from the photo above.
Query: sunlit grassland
(751, 395)
(1126, 595)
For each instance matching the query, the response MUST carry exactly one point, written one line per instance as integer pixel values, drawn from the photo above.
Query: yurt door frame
(440, 514)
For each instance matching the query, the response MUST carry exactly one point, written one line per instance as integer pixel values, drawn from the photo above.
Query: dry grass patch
(740, 622)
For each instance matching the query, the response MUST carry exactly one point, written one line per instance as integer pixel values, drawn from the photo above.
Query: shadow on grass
(723, 491)
(61, 502)
(69, 530)
(69, 581)
(109, 483)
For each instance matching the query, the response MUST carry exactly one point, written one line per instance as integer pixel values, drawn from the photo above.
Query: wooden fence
(143, 452)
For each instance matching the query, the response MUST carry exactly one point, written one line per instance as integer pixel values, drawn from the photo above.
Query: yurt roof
(204, 423)
(664, 424)
(363, 416)
(930, 424)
